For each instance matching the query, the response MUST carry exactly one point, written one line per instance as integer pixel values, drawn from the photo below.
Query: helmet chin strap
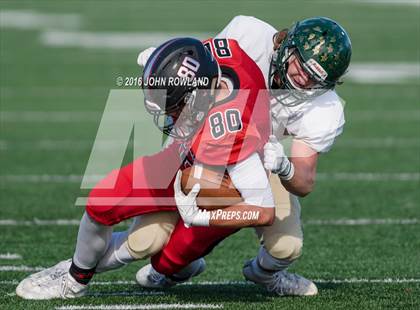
(297, 88)
(293, 83)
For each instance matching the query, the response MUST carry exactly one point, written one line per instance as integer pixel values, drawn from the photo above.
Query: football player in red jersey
(230, 137)
(301, 67)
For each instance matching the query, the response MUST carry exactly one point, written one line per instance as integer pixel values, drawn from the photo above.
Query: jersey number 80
(217, 121)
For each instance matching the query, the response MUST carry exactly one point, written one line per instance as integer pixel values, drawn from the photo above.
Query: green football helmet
(323, 49)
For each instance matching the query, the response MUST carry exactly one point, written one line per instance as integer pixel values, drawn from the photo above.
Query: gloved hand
(276, 160)
(144, 56)
(187, 205)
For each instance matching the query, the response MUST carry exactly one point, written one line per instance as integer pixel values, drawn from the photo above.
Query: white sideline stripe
(113, 40)
(95, 116)
(321, 176)
(141, 307)
(30, 19)
(314, 222)
(10, 256)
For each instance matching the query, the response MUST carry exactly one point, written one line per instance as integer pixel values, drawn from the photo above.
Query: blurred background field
(58, 63)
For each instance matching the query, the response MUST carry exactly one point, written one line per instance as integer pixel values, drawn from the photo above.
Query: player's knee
(141, 246)
(150, 236)
(284, 247)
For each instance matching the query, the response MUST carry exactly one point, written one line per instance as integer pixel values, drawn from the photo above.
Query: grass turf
(38, 78)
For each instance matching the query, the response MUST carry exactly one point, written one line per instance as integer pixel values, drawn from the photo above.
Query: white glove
(144, 56)
(187, 205)
(276, 160)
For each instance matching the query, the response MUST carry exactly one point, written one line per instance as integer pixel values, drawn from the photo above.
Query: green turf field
(362, 223)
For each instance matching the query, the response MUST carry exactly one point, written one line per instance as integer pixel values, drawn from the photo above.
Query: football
(216, 188)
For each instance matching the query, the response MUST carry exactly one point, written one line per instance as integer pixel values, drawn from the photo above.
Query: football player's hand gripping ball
(276, 160)
(187, 205)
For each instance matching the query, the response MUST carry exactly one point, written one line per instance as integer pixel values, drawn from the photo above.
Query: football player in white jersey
(302, 66)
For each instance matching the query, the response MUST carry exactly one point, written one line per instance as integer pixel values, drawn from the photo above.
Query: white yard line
(77, 145)
(227, 282)
(95, 116)
(113, 40)
(124, 293)
(101, 294)
(20, 268)
(321, 176)
(30, 19)
(362, 222)
(367, 176)
(356, 280)
(313, 222)
(10, 256)
(372, 143)
(57, 145)
(50, 116)
(415, 3)
(37, 222)
(141, 306)
(383, 73)
(386, 115)
(41, 178)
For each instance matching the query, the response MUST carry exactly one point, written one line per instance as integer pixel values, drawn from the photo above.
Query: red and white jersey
(239, 125)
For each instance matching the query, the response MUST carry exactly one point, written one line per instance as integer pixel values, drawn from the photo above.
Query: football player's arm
(296, 173)
(314, 133)
(257, 208)
(250, 179)
(304, 160)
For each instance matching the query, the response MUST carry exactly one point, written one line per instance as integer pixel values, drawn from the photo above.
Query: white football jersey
(255, 38)
(316, 122)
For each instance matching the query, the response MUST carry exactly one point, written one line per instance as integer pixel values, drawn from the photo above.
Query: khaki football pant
(149, 233)
(283, 239)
